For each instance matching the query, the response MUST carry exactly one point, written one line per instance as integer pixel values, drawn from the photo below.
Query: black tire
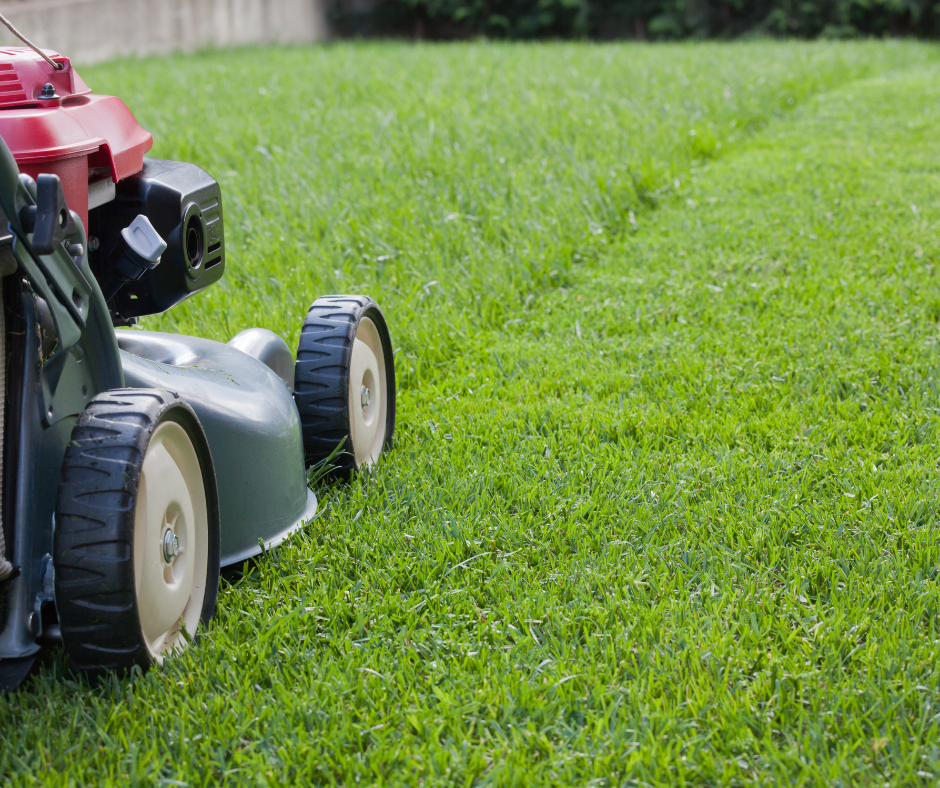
(93, 548)
(322, 378)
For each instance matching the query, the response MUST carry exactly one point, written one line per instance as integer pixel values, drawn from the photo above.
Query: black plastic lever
(49, 220)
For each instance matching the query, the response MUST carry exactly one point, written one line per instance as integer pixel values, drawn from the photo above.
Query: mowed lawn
(663, 503)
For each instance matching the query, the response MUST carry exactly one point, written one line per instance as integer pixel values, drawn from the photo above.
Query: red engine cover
(72, 134)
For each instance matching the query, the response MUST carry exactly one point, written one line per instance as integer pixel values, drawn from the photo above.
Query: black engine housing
(184, 204)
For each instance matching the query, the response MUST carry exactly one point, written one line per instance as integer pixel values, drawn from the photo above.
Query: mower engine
(53, 124)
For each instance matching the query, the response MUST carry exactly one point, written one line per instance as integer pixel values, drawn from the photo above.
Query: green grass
(663, 505)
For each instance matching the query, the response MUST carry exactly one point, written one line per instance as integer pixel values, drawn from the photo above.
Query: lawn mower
(135, 464)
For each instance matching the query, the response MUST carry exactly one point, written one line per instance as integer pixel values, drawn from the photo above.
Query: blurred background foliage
(636, 19)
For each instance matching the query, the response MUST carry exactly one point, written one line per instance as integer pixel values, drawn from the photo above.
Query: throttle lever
(50, 220)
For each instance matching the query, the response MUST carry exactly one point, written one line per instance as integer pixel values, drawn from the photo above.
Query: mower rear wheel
(344, 382)
(137, 538)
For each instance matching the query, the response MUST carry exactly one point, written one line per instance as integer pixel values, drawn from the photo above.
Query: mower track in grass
(665, 517)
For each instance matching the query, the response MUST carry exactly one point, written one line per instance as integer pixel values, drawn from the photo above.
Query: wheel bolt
(365, 397)
(171, 546)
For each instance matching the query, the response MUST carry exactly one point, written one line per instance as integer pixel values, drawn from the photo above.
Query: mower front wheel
(344, 382)
(137, 538)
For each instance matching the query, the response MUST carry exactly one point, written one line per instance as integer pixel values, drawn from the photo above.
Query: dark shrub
(640, 19)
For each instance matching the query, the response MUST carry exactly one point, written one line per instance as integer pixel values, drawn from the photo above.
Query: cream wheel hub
(368, 394)
(171, 540)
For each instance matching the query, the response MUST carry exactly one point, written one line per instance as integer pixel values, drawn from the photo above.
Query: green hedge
(640, 19)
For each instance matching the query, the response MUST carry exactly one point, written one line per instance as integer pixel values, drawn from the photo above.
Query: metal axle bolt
(365, 397)
(171, 546)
